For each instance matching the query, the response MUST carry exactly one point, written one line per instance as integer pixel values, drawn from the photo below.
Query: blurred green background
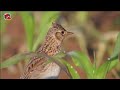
(95, 35)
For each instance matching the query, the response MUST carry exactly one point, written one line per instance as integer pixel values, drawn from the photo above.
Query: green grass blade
(46, 21)
(83, 61)
(102, 71)
(116, 51)
(29, 28)
(12, 60)
(19, 57)
(72, 71)
(111, 63)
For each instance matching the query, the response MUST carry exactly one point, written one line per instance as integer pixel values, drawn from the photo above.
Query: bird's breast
(51, 72)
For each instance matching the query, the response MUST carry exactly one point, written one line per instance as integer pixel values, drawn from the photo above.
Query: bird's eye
(63, 32)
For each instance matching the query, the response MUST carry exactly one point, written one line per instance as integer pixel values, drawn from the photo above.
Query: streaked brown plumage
(37, 68)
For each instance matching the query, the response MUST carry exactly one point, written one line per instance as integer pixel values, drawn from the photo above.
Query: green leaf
(72, 71)
(80, 59)
(12, 60)
(112, 61)
(29, 28)
(46, 21)
(19, 57)
(113, 64)
(102, 71)
(116, 51)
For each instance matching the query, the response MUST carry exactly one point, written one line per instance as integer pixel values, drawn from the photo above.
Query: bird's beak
(69, 33)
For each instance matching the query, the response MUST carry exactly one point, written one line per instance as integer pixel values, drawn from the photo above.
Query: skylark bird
(36, 68)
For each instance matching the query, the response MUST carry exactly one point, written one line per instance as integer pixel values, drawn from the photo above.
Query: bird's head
(58, 32)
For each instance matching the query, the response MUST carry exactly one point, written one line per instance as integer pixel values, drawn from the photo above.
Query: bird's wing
(36, 65)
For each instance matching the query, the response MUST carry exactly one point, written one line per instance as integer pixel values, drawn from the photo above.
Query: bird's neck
(50, 47)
